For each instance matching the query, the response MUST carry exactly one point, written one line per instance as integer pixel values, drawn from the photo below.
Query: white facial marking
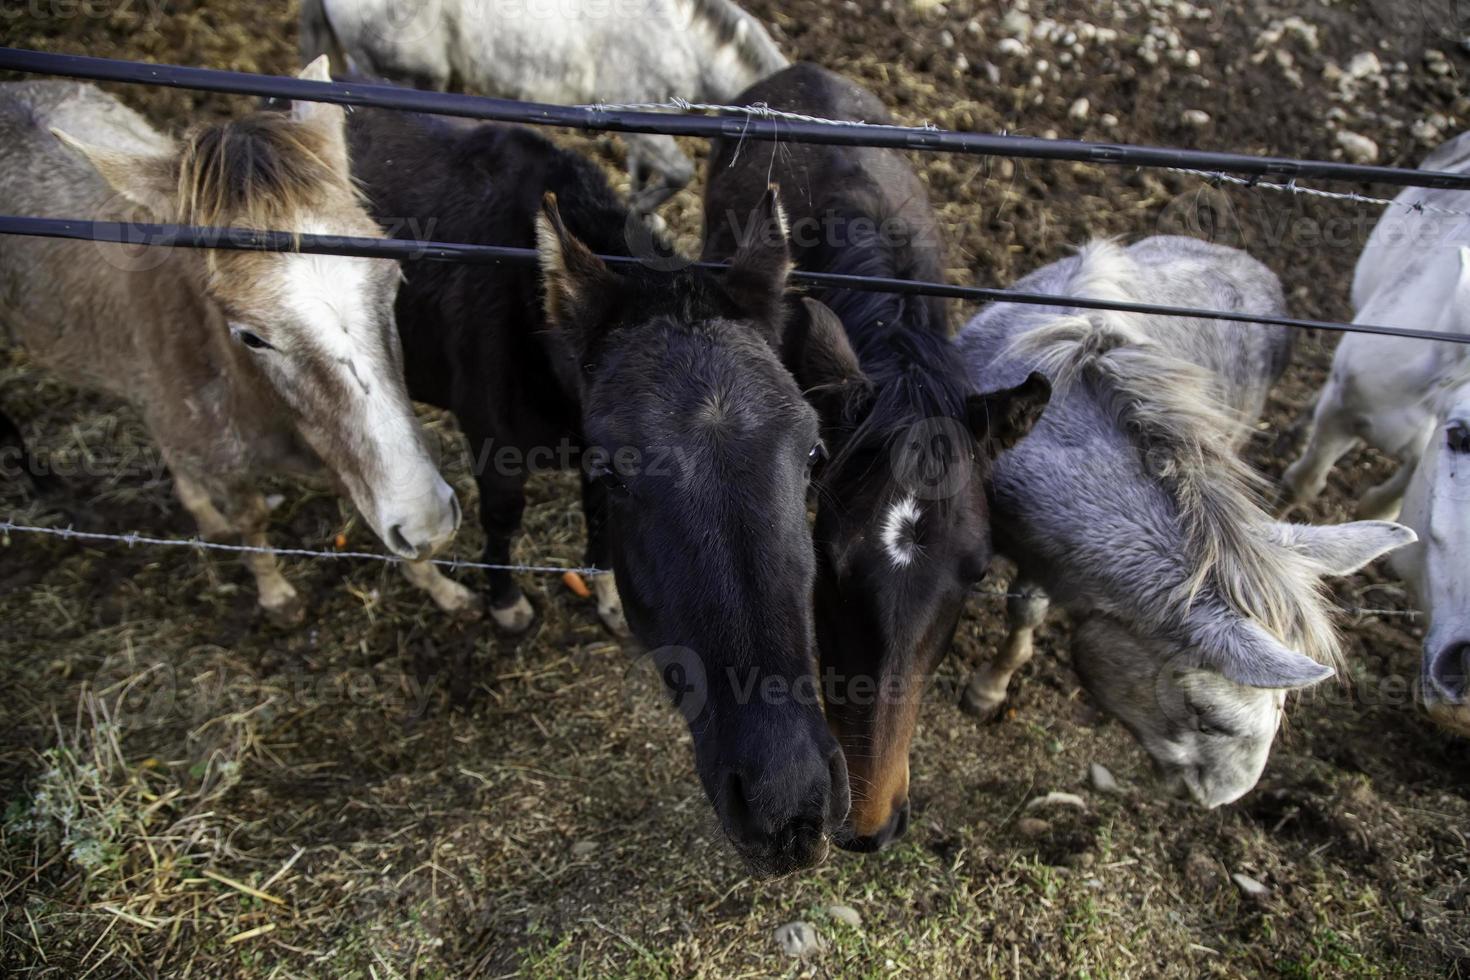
(898, 530)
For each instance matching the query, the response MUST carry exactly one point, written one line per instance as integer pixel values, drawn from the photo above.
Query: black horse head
(705, 446)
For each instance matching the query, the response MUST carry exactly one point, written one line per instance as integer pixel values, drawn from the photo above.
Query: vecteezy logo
(932, 458)
(677, 673)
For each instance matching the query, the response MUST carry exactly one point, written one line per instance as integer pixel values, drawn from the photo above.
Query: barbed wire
(1292, 187)
(132, 539)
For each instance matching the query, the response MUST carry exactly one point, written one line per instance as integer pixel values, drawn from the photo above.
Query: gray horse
(239, 363)
(568, 51)
(1195, 611)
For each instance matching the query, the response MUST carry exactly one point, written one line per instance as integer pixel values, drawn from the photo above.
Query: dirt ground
(190, 791)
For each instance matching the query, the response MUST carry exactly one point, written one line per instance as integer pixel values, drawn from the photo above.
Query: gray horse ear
(1247, 654)
(815, 349)
(149, 180)
(327, 120)
(756, 280)
(1003, 418)
(573, 279)
(1341, 549)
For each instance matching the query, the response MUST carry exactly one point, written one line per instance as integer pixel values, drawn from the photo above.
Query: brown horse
(239, 363)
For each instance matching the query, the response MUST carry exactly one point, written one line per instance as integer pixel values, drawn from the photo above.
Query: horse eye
(252, 340)
(817, 455)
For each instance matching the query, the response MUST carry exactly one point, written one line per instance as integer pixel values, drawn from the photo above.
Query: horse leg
(604, 587)
(455, 599)
(1331, 437)
(502, 502)
(249, 513)
(213, 525)
(660, 156)
(1384, 501)
(986, 692)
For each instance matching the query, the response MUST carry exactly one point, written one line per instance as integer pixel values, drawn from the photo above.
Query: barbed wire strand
(133, 539)
(199, 544)
(1292, 187)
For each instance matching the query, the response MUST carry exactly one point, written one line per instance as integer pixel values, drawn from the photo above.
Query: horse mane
(1173, 410)
(901, 341)
(263, 171)
(738, 28)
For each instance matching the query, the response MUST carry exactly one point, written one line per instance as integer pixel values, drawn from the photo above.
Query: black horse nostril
(399, 542)
(1450, 672)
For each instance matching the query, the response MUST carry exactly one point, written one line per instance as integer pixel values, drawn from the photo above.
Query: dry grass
(188, 791)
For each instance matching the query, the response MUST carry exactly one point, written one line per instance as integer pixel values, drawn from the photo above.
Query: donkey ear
(756, 280)
(816, 351)
(151, 181)
(574, 280)
(1247, 654)
(327, 119)
(1003, 417)
(1342, 549)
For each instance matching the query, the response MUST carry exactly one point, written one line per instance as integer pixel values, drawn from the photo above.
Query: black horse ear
(1002, 418)
(816, 351)
(756, 280)
(573, 279)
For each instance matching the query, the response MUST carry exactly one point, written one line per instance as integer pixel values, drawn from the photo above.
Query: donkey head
(902, 534)
(1205, 700)
(316, 330)
(705, 446)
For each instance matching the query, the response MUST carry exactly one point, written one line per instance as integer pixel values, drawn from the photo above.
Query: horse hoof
(980, 706)
(286, 612)
(460, 603)
(610, 607)
(516, 617)
(615, 622)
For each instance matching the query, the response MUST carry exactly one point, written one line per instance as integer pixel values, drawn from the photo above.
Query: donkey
(1194, 612)
(694, 443)
(1437, 507)
(239, 363)
(902, 528)
(1383, 391)
(574, 51)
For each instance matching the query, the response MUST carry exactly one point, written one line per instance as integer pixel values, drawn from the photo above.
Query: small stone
(1079, 110)
(798, 939)
(1016, 24)
(1110, 121)
(1010, 47)
(1197, 118)
(846, 914)
(583, 848)
(1102, 780)
(1249, 885)
(1357, 147)
(946, 39)
(1032, 827)
(1057, 799)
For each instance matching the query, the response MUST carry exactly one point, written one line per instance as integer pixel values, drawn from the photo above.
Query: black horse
(694, 441)
(903, 527)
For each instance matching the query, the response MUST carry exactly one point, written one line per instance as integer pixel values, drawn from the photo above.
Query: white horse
(1437, 506)
(563, 51)
(1414, 273)
(1128, 504)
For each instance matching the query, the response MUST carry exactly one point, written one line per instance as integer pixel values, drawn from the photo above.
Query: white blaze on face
(333, 299)
(899, 530)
